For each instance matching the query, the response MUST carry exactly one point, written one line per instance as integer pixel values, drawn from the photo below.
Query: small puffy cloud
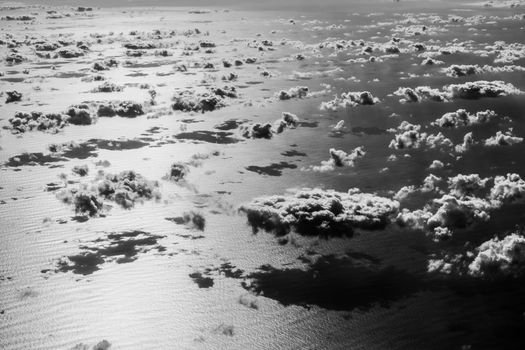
(461, 186)
(339, 158)
(294, 92)
(350, 99)
(258, 130)
(458, 213)
(420, 93)
(499, 257)
(404, 192)
(288, 120)
(462, 118)
(507, 190)
(503, 139)
(431, 183)
(432, 62)
(410, 136)
(320, 212)
(468, 141)
(436, 164)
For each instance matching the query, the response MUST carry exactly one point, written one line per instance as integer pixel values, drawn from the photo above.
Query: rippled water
(147, 277)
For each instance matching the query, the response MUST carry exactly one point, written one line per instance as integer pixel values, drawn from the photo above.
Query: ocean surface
(153, 275)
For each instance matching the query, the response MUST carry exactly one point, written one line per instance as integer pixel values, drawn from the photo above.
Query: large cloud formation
(320, 212)
(463, 118)
(499, 257)
(468, 90)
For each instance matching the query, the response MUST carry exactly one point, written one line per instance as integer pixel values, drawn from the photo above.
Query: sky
(320, 5)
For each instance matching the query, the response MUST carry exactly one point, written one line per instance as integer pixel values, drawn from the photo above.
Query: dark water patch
(147, 64)
(308, 124)
(293, 153)
(155, 130)
(223, 192)
(274, 169)
(335, 284)
(13, 80)
(190, 121)
(32, 159)
(230, 271)
(230, 124)
(254, 82)
(65, 75)
(118, 145)
(80, 218)
(208, 136)
(51, 187)
(191, 218)
(121, 247)
(368, 130)
(137, 74)
(192, 237)
(201, 280)
(81, 151)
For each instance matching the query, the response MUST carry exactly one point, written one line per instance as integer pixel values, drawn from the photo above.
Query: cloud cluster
(468, 90)
(125, 189)
(481, 88)
(461, 118)
(461, 186)
(469, 69)
(468, 141)
(350, 99)
(75, 114)
(191, 101)
(419, 94)
(266, 131)
(507, 189)
(320, 212)
(503, 139)
(470, 200)
(499, 257)
(128, 109)
(338, 158)
(409, 136)
(294, 92)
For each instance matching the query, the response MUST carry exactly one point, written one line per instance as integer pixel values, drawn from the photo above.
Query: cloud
(503, 139)
(126, 189)
(350, 99)
(320, 212)
(266, 131)
(468, 90)
(507, 190)
(409, 136)
(499, 257)
(294, 92)
(468, 141)
(339, 158)
(461, 186)
(436, 164)
(419, 94)
(481, 88)
(462, 118)
(469, 69)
